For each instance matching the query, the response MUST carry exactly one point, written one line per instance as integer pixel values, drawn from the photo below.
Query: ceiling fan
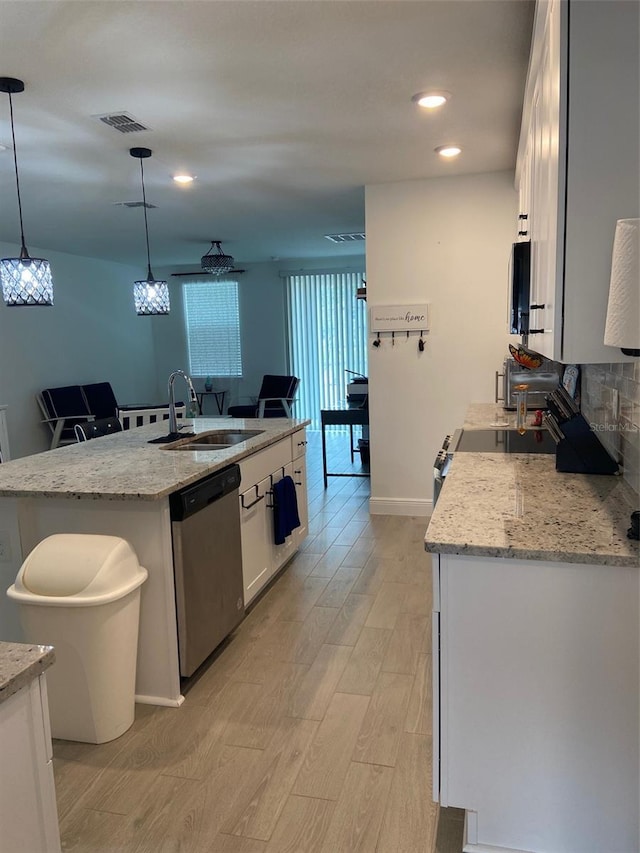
(215, 262)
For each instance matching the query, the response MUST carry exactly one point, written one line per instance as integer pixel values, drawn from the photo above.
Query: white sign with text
(399, 318)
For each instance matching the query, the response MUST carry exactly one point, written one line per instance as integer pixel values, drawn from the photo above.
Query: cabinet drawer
(258, 466)
(298, 443)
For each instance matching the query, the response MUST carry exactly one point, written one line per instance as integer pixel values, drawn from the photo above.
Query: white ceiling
(284, 109)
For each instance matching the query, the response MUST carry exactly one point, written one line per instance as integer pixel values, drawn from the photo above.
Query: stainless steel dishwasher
(207, 560)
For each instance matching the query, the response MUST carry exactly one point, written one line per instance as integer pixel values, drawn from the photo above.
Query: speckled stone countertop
(518, 506)
(20, 664)
(125, 466)
(488, 415)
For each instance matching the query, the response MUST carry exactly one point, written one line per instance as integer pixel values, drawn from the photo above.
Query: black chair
(63, 408)
(274, 400)
(101, 399)
(95, 429)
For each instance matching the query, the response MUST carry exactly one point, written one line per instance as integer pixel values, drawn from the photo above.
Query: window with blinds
(327, 331)
(212, 321)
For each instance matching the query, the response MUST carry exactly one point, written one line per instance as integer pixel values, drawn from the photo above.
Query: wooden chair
(275, 399)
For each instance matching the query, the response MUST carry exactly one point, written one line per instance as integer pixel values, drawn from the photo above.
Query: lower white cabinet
(300, 479)
(261, 557)
(28, 816)
(536, 686)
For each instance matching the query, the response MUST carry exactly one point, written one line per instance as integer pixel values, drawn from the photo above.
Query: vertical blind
(212, 322)
(327, 332)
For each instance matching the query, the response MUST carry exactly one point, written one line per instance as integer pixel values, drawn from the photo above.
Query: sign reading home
(399, 318)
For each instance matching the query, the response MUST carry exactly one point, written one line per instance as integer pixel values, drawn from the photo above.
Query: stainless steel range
(487, 441)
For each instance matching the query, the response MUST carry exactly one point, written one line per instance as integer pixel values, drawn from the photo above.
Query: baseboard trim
(400, 506)
(141, 699)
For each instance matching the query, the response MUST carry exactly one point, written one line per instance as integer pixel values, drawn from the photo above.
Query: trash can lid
(67, 564)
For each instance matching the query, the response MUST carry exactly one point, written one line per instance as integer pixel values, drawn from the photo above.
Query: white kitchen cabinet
(261, 557)
(536, 686)
(28, 815)
(578, 168)
(299, 454)
(257, 538)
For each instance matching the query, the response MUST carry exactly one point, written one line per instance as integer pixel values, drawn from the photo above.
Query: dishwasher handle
(198, 496)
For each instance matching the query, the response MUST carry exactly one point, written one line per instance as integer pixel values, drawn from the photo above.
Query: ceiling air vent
(357, 237)
(135, 204)
(122, 122)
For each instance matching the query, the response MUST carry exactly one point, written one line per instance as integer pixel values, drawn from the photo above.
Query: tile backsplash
(618, 431)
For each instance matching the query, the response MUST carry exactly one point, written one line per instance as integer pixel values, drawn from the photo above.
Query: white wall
(443, 241)
(90, 334)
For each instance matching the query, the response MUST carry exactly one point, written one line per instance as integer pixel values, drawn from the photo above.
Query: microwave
(519, 288)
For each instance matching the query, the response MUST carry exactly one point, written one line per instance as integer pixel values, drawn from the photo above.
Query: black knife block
(580, 451)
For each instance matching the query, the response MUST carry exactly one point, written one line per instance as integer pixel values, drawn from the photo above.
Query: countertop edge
(255, 445)
(574, 557)
(20, 664)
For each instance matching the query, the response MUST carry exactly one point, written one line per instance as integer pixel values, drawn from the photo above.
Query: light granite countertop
(519, 506)
(125, 466)
(20, 664)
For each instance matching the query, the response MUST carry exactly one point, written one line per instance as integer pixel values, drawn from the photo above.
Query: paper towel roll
(622, 328)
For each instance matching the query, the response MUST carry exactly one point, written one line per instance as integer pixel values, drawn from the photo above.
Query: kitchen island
(536, 654)
(120, 485)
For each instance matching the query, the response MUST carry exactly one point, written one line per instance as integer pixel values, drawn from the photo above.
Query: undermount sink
(218, 439)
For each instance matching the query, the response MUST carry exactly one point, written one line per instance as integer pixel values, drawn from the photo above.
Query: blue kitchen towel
(285, 509)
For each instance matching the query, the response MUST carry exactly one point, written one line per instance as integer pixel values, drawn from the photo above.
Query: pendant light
(25, 280)
(150, 296)
(216, 261)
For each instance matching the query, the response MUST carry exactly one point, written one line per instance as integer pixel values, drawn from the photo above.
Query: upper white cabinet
(578, 168)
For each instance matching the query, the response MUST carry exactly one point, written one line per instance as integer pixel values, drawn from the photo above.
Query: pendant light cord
(23, 250)
(146, 224)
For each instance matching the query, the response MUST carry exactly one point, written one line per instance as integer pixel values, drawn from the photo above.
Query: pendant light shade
(215, 261)
(150, 296)
(25, 280)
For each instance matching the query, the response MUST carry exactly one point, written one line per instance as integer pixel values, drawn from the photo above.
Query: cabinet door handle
(536, 307)
(522, 233)
(302, 443)
(536, 331)
(253, 503)
(523, 216)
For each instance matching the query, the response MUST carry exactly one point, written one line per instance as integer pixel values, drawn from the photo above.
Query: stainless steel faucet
(173, 421)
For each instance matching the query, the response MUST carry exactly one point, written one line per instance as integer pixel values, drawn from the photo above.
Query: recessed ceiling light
(183, 179)
(431, 100)
(448, 151)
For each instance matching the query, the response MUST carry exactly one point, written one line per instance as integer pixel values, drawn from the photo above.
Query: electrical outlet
(5, 547)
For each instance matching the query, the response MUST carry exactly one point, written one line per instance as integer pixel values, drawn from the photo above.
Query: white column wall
(444, 241)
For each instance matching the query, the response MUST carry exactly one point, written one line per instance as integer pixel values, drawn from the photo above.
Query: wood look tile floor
(309, 732)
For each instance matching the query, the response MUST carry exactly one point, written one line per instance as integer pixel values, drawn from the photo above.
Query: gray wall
(262, 303)
(90, 334)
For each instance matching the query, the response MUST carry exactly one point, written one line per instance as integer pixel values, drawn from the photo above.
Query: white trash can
(81, 594)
